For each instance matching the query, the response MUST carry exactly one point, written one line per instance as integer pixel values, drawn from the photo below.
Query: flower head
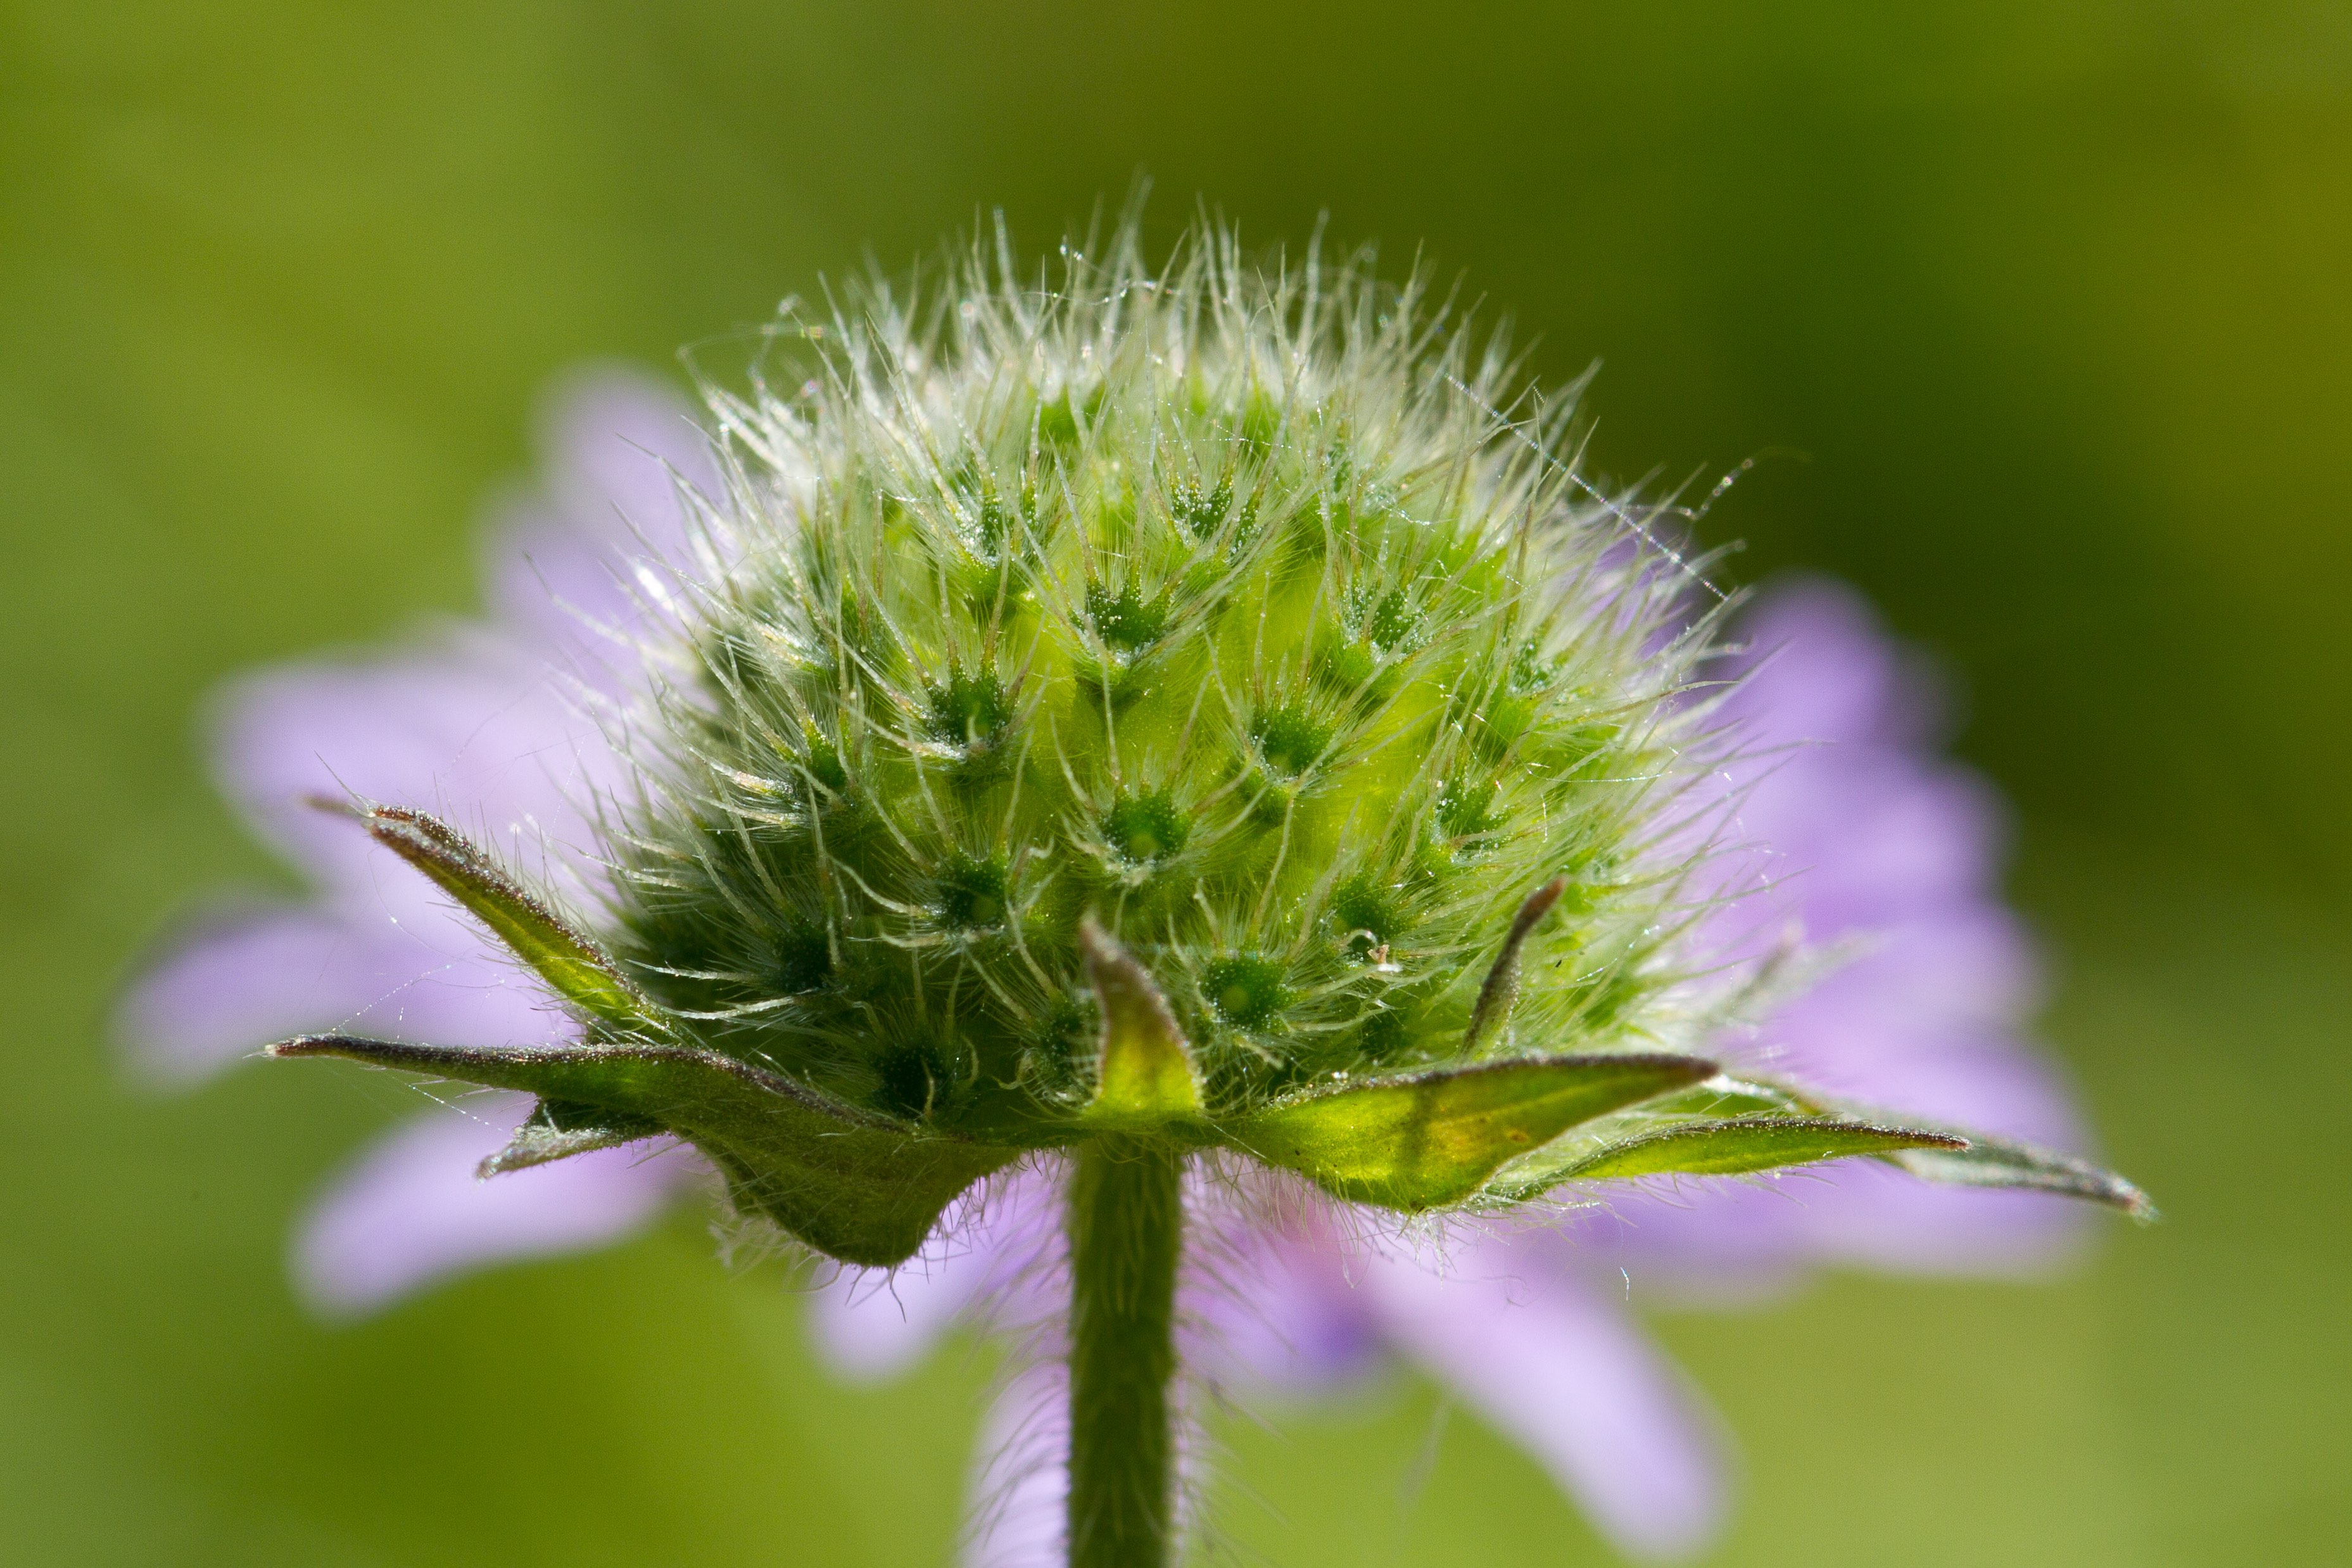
(1170, 714)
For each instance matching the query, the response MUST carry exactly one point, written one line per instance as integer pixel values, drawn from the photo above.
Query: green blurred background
(2052, 300)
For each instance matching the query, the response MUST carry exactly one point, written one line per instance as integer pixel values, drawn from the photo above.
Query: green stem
(1126, 1230)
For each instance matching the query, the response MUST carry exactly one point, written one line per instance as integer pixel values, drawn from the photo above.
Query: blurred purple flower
(493, 724)
(1859, 836)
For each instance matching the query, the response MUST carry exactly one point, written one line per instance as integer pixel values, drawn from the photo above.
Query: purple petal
(1566, 1373)
(1851, 815)
(484, 727)
(1020, 1483)
(479, 733)
(560, 564)
(873, 1325)
(1860, 834)
(234, 983)
(1729, 1242)
(1865, 837)
(385, 949)
(993, 1260)
(410, 1211)
(1969, 965)
(1271, 1306)
(1823, 669)
(614, 437)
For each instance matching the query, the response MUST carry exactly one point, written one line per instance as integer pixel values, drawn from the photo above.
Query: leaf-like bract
(1749, 1143)
(557, 1129)
(853, 1184)
(1429, 1139)
(565, 957)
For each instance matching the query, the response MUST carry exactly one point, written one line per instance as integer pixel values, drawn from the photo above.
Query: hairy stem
(1127, 1231)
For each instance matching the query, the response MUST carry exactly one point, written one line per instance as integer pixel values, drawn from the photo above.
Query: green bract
(1159, 712)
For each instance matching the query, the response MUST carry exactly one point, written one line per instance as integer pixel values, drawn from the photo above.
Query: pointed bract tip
(1144, 1075)
(303, 1046)
(1495, 997)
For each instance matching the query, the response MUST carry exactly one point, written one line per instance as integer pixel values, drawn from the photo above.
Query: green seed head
(1175, 708)
(1217, 604)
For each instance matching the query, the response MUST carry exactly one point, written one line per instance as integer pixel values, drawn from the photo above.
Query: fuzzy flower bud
(1171, 712)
